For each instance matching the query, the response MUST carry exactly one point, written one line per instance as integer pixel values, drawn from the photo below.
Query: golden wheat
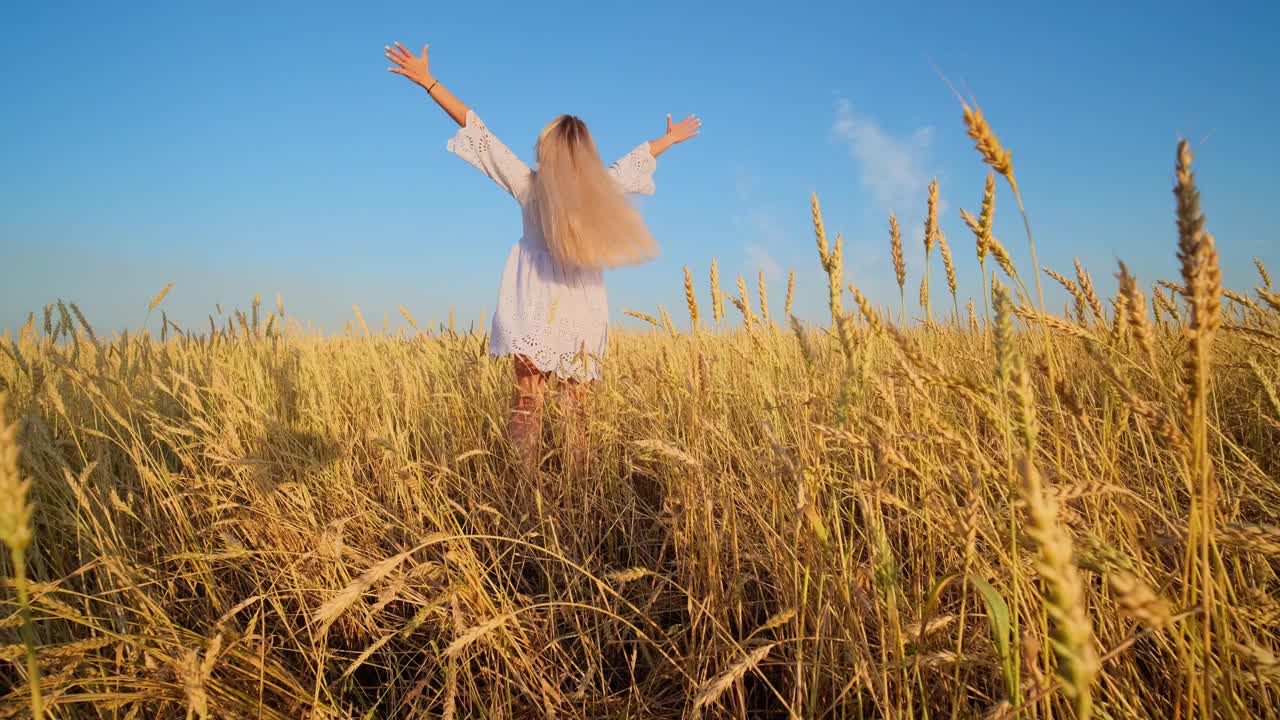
(921, 519)
(690, 299)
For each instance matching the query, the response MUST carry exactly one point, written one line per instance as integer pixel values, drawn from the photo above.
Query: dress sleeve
(634, 172)
(474, 143)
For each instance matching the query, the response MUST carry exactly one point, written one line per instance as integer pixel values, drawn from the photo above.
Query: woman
(553, 314)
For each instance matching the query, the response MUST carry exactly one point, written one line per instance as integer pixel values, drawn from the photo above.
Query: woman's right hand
(409, 65)
(683, 130)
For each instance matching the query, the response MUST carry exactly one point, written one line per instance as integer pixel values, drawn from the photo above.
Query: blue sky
(241, 147)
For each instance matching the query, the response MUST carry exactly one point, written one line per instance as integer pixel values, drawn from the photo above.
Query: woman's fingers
(407, 54)
(396, 70)
(396, 57)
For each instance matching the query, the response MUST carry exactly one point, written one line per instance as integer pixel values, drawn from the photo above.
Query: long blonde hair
(585, 218)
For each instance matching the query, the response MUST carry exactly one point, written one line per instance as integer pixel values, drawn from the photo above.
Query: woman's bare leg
(525, 427)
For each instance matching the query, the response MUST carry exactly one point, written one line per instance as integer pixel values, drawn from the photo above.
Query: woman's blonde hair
(586, 220)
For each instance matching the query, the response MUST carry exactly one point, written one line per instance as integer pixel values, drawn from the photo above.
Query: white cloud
(764, 233)
(896, 171)
(893, 168)
(759, 260)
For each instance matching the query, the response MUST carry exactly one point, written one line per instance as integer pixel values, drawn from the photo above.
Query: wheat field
(995, 512)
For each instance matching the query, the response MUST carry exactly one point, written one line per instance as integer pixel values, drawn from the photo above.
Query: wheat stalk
(1270, 298)
(819, 232)
(1262, 272)
(1137, 600)
(1240, 300)
(669, 451)
(868, 312)
(988, 145)
(1267, 387)
(15, 534)
(1263, 539)
(899, 264)
(1071, 631)
(690, 299)
(1086, 286)
(791, 291)
(1203, 282)
(474, 633)
(764, 299)
(717, 297)
(930, 235)
(345, 598)
(1003, 333)
(950, 269)
(1161, 302)
(1260, 660)
(1055, 323)
(666, 321)
(1076, 293)
(743, 302)
(88, 329)
(642, 316)
(1001, 255)
(1136, 309)
(405, 313)
(622, 577)
(711, 691)
(159, 297)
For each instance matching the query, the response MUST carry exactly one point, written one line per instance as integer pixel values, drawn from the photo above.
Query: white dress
(555, 315)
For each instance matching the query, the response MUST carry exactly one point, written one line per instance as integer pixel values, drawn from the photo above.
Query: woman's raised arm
(418, 69)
